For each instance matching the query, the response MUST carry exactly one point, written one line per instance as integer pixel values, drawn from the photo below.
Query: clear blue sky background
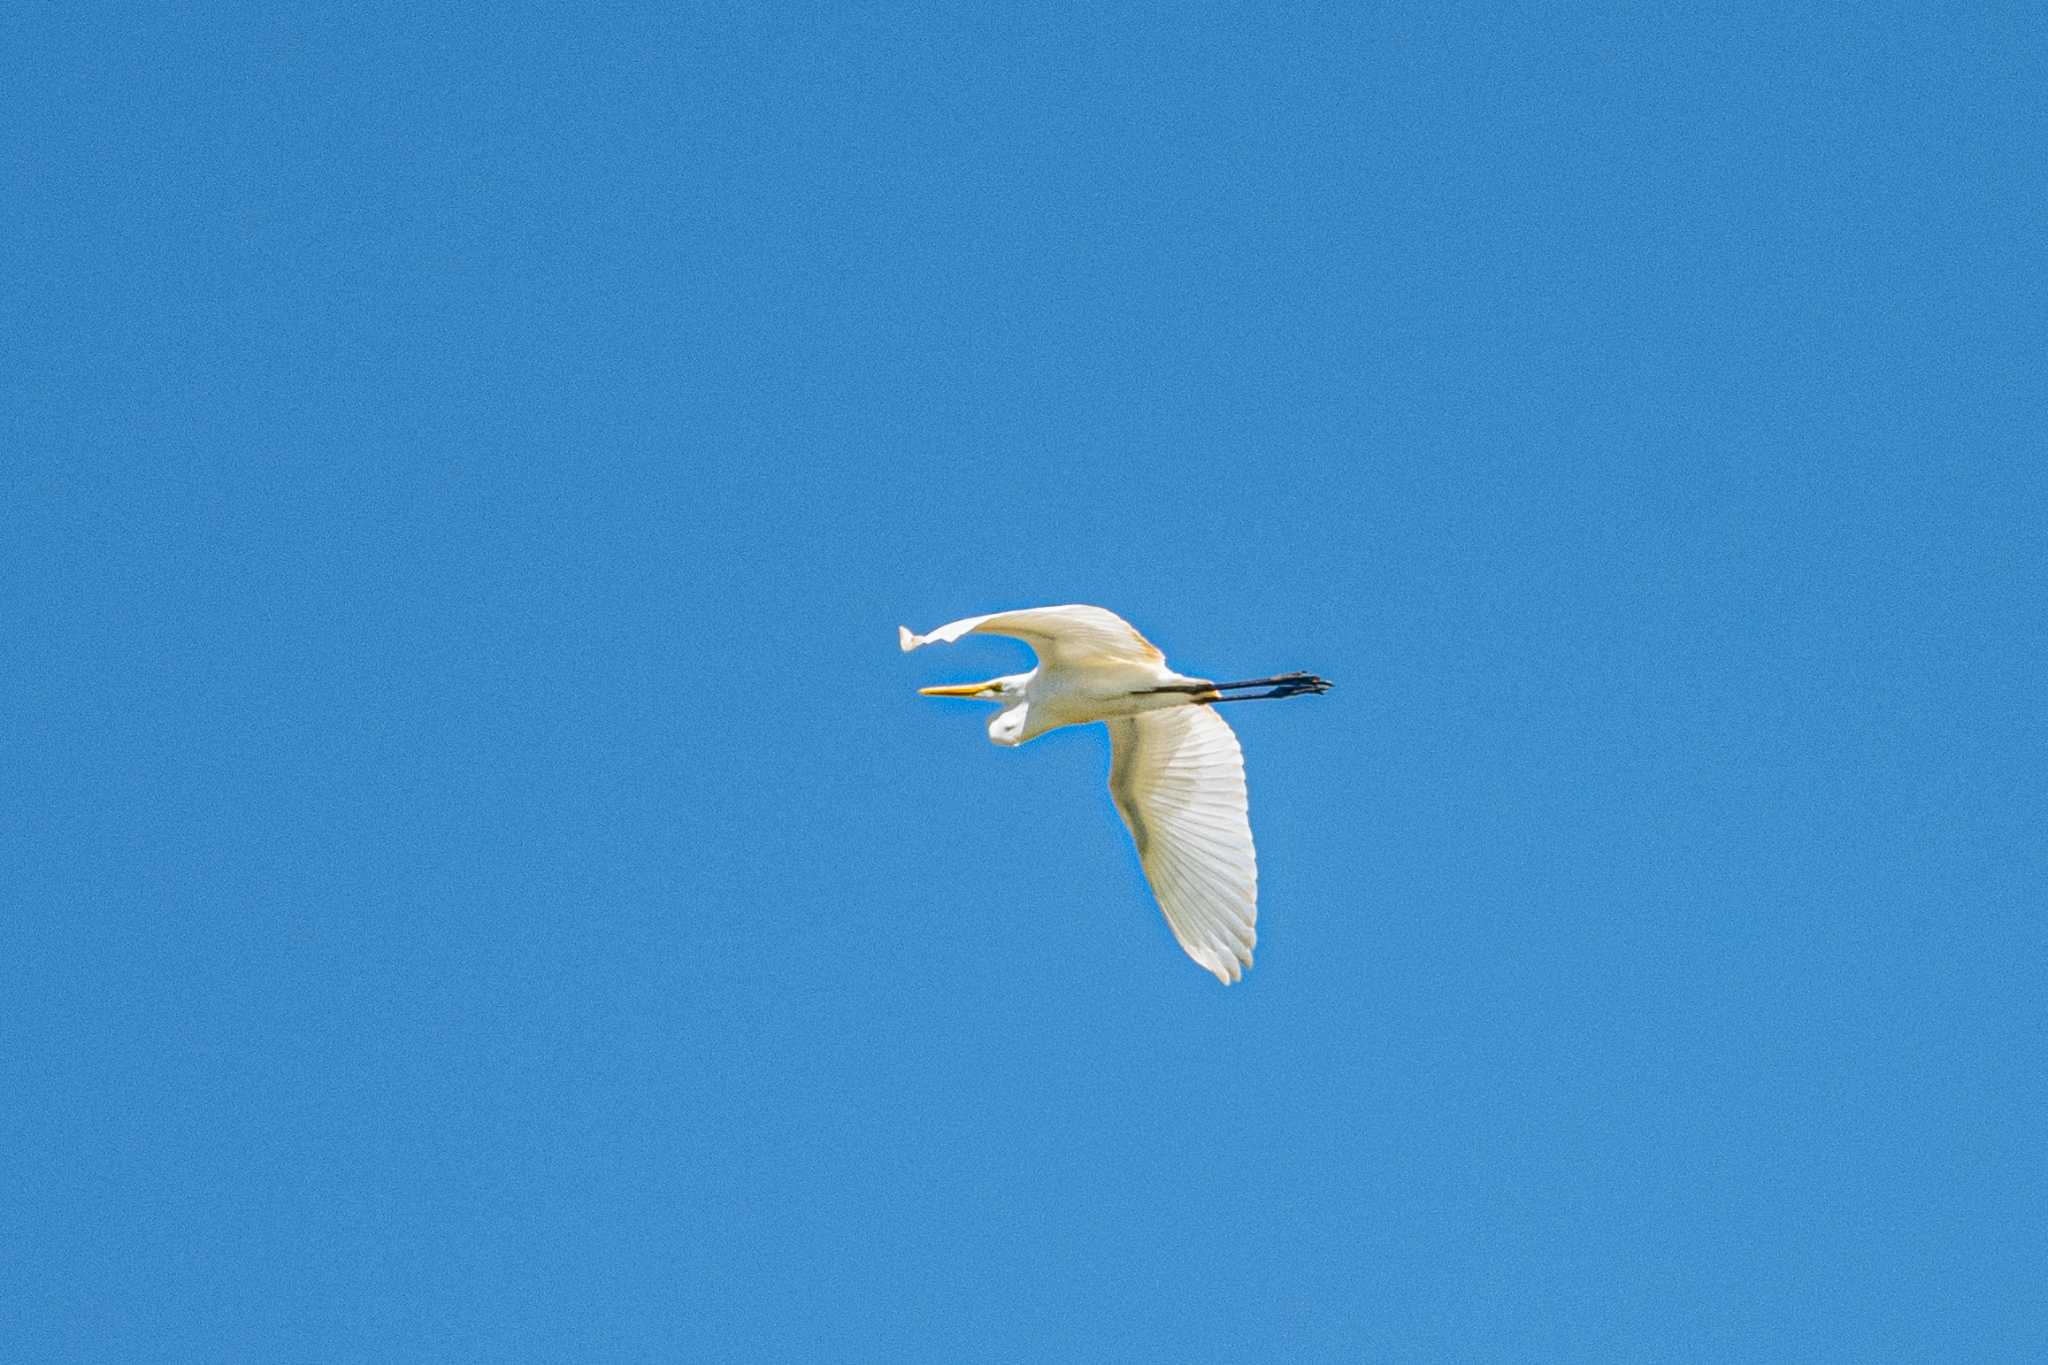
(479, 884)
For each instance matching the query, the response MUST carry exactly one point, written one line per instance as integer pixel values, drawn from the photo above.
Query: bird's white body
(1092, 666)
(1176, 773)
(1049, 699)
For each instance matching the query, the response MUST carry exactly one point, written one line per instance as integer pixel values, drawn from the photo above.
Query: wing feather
(1060, 635)
(1177, 777)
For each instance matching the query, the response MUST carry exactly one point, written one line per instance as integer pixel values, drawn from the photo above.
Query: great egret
(1175, 773)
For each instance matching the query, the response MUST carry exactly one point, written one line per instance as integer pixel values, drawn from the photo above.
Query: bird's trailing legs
(1282, 685)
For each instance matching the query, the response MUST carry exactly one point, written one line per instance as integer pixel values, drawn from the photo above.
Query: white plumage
(1176, 772)
(1178, 780)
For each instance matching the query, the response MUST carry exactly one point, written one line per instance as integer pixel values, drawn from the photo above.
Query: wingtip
(1224, 967)
(906, 639)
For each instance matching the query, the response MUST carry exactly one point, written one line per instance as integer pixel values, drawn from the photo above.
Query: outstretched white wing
(1177, 777)
(1061, 635)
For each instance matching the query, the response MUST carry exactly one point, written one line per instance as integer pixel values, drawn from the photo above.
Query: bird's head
(995, 689)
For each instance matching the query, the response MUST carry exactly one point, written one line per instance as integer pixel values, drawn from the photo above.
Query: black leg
(1277, 680)
(1305, 689)
(1282, 685)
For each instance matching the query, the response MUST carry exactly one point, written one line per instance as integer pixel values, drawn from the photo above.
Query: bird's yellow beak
(956, 690)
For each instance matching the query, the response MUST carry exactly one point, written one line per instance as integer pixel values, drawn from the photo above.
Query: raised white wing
(1060, 635)
(1177, 777)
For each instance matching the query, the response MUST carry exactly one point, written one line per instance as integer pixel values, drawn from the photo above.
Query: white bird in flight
(1175, 773)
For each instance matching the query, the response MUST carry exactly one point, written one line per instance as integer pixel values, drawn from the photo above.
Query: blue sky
(478, 882)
